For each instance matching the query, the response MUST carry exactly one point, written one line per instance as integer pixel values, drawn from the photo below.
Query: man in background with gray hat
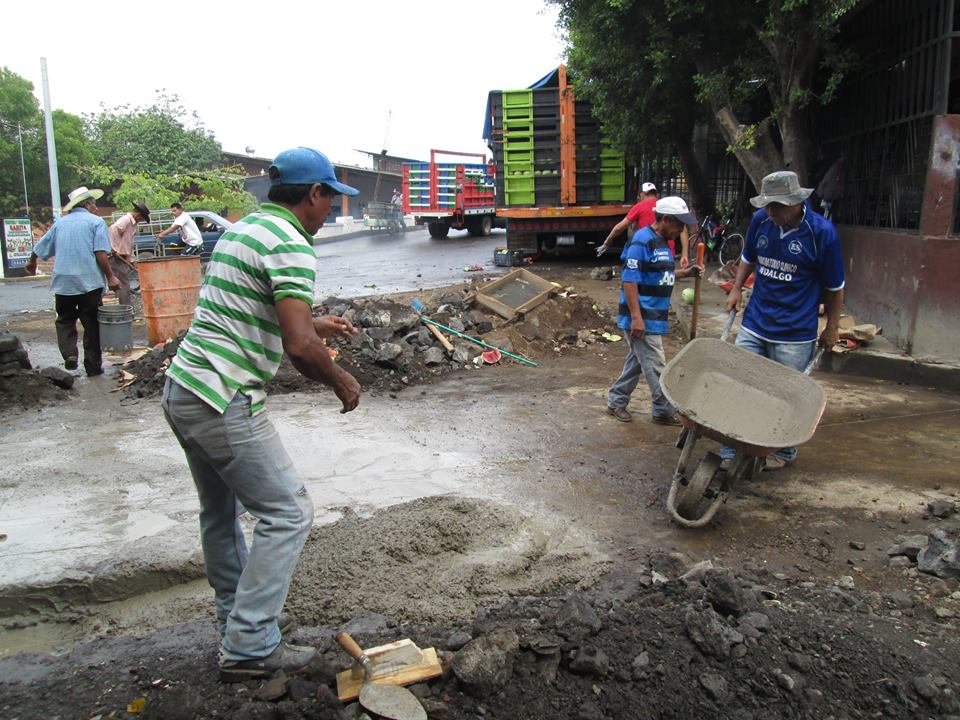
(81, 247)
(647, 280)
(797, 258)
(122, 233)
(255, 305)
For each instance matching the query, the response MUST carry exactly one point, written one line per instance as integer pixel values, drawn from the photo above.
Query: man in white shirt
(189, 232)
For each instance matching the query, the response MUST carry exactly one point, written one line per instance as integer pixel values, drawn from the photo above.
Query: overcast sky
(320, 74)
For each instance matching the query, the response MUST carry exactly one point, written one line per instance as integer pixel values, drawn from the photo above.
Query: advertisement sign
(17, 242)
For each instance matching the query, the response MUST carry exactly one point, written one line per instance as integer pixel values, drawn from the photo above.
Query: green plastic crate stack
(518, 147)
(612, 173)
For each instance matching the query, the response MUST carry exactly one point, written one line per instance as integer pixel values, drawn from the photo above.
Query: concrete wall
(909, 282)
(909, 285)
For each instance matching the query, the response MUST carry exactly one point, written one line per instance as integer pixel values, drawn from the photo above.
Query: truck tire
(480, 227)
(438, 230)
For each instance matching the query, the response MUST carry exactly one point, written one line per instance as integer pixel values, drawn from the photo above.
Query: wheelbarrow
(741, 400)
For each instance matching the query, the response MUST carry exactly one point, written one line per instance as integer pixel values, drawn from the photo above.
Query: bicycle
(727, 247)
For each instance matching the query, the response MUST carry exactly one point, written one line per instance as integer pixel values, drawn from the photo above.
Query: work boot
(772, 462)
(620, 413)
(292, 659)
(70, 363)
(667, 420)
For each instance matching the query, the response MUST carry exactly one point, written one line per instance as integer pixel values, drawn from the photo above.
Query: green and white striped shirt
(234, 342)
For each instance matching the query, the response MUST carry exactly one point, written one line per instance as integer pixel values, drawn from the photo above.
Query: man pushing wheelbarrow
(760, 412)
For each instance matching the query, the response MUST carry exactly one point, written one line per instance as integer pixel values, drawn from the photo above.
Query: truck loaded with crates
(445, 195)
(559, 181)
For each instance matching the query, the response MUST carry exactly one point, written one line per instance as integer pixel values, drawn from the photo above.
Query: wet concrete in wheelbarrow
(536, 492)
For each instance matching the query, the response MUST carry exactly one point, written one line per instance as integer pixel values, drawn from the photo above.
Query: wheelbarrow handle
(814, 361)
(731, 316)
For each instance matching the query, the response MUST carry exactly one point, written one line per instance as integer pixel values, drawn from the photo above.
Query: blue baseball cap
(305, 166)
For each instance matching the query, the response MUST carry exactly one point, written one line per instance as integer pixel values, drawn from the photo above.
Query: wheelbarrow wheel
(690, 497)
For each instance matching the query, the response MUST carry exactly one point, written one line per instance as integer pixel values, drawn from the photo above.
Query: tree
(643, 91)
(163, 139)
(760, 65)
(18, 105)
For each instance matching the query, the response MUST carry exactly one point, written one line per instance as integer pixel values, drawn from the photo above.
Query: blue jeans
(238, 462)
(793, 355)
(646, 358)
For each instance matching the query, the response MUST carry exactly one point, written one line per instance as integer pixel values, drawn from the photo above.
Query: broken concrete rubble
(941, 556)
(393, 343)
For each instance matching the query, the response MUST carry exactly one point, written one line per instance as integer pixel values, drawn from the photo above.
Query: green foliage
(212, 190)
(650, 66)
(161, 139)
(19, 105)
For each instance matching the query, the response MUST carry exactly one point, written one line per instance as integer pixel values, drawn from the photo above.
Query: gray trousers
(236, 458)
(645, 357)
(122, 272)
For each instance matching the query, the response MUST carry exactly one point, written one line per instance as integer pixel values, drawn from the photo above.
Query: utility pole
(23, 169)
(51, 144)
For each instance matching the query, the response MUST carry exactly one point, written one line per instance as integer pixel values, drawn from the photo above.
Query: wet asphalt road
(401, 263)
(348, 267)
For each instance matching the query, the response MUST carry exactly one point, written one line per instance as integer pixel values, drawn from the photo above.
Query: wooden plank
(447, 345)
(348, 686)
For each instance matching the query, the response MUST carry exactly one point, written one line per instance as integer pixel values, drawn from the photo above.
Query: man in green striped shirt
(254, 306)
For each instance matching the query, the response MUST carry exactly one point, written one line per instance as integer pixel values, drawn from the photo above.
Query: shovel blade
(391, 701)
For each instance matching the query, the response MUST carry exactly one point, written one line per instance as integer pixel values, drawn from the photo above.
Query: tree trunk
(796, 143)
(761, 157)
(700, 196)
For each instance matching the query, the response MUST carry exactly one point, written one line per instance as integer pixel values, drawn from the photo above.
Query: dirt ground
(539, 560)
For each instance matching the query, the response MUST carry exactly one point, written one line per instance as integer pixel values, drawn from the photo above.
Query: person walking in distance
(80, 244)
(255, 306)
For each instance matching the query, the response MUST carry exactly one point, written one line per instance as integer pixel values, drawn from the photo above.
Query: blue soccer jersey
(648, 262)
(793, 267)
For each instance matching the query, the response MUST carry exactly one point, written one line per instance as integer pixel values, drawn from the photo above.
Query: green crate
(611, 193)
(611, 177)
(518, 125)
(520, 153)
(518, 198)
(515, 183)
(524, 143)
(517, 98)
(518, 113)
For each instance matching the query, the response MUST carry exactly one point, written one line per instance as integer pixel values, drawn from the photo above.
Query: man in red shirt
(641, 215)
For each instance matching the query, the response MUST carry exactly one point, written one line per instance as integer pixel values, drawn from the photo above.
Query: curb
(24, 278)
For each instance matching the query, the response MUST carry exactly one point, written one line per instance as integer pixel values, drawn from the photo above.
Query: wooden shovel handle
(696, 294)
(350, 645)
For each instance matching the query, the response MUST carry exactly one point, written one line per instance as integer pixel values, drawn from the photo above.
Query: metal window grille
(881, 122)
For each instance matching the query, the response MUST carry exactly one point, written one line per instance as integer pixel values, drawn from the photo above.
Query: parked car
(146, 245)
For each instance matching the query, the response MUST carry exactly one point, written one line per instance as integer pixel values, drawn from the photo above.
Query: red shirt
(641, 214)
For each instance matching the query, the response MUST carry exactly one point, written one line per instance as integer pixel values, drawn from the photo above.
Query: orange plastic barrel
(170, 288)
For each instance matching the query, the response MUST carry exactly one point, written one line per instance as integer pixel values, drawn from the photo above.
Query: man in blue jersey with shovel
(647, 280)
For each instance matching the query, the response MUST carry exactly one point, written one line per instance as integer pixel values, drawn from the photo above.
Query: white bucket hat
(75, 197)
(675, 207)
(781, 187)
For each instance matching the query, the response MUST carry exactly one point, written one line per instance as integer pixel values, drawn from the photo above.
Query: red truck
(559, 181)
(444, 195)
